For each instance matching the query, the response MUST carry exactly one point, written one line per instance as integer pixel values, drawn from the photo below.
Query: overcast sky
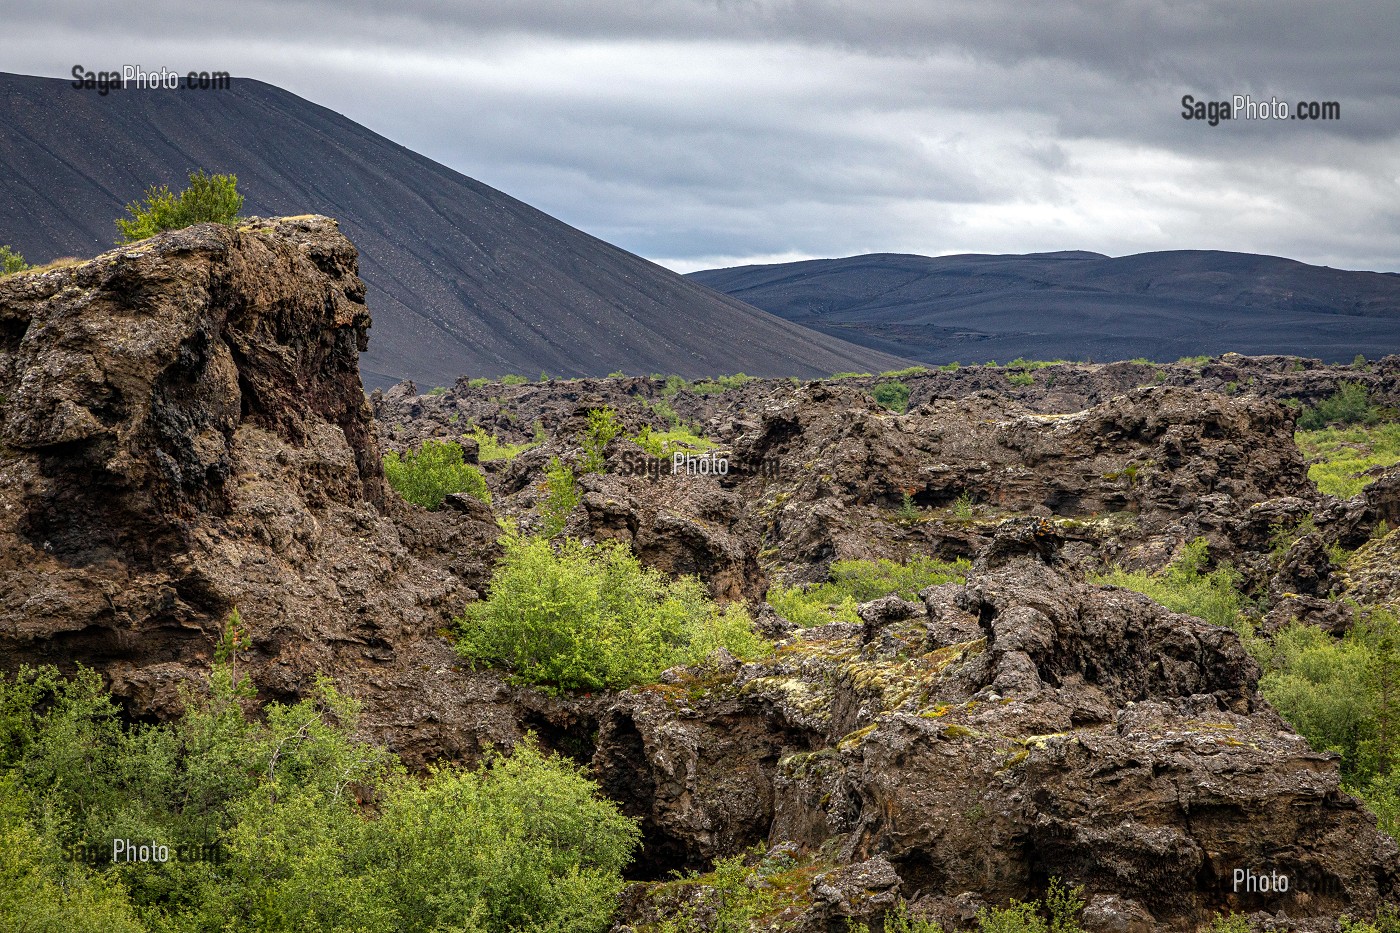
(716, 132)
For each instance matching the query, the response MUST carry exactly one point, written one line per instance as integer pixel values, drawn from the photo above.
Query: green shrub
(719, 384)
(908, 371)
(489, 448)
(664, 409)
(520, 843)
(1339, 456)
(1234, 923)
(602, 428)
(430, 474)
(1058, 914)
(730, 898)
(208, 199)
(589, 618)
(663, 444)
(11, 262)
(561, 497)
(892, 395)
(858, 581)
(1186, 587)
(849, 375)
(510, 379)
(1341, 693)
(908, 512)
(1025, 364)
(1020, 379)
(1349, 404)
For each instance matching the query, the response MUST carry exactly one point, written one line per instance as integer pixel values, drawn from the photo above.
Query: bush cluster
(435, 471)
(893, 395)
(581, 617)
(208, 199)
(11, 261)
(858, 581)
(1349, 404)
(1341, 457)
(602, 427)
(314, 830)
(1186, 586)
(662, 444)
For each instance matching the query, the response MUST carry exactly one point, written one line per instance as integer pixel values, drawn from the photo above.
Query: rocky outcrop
(1019, 727)
(182, 432)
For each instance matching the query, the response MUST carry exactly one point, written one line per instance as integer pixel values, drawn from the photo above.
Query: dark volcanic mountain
(462, 278)
(1079, 305)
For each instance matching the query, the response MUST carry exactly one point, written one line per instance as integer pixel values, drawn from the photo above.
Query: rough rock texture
(1069, 731)
(182, 431)
(819, 472)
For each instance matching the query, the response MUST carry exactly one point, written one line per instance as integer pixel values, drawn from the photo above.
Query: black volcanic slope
(462, 278)
(1078, 305)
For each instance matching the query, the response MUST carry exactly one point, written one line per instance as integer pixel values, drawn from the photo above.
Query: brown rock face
(1020, 727)
(182, 432)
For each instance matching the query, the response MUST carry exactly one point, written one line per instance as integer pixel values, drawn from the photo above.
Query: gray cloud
(703, 132)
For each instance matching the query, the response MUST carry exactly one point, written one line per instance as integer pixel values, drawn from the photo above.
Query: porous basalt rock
(1086, 733)
(183, 432)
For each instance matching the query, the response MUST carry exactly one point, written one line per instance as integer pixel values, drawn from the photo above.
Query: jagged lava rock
(1074, 731)
(183, 431)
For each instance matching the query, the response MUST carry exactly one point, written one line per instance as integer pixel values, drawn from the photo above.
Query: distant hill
(462, 278)
(1078, 305)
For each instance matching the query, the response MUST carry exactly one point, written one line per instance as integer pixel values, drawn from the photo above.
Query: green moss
(1340, 455)
(855, 581)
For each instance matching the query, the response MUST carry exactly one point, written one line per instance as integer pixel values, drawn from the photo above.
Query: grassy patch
(489, 448)
(1186, 587)
(663, 444)
(1339, 455)
(590, 618)
(858, 581)
(430, 474)
(893, 395)
(716, 385)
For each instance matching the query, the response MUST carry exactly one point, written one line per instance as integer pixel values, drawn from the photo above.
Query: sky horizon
(703, 134)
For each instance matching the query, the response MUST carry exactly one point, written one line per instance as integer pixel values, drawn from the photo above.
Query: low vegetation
(562, 495)
(719, 384)
(1340, 456)
(581, 617)
(679, 439)
(277, 819)
(429, 475)
(858, 581)
(490, 448)
(737, 897)
(11, 262)
(602, 427)
(1186, 586)
(208, 199)
(893, 395)
(1343, 694)
(1349, 404)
